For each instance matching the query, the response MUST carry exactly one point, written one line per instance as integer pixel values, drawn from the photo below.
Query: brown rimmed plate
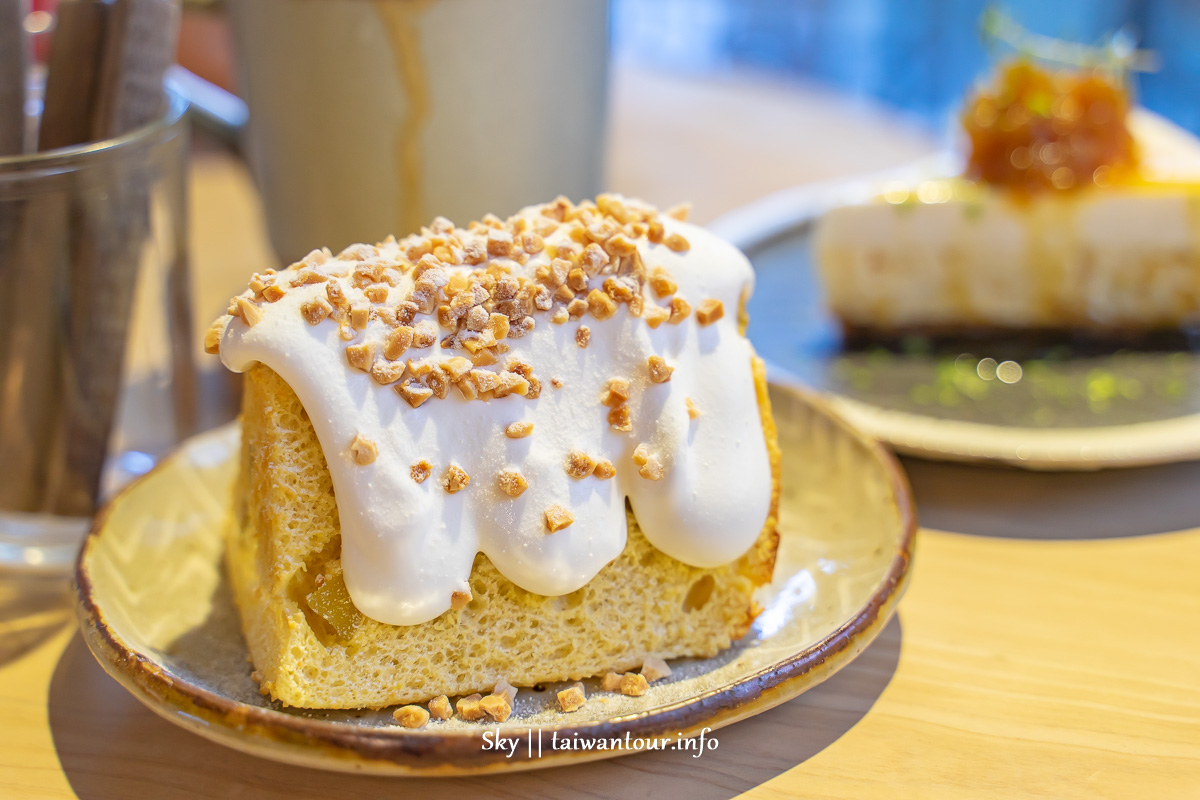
(156, 612)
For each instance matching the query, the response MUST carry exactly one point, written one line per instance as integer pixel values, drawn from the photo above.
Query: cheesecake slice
(1060, 223)
(956, 255)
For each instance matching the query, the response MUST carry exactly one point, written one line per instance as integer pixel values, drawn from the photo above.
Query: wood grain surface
(1049, 645)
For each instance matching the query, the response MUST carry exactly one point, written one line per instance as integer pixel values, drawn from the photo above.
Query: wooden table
(1049, 645)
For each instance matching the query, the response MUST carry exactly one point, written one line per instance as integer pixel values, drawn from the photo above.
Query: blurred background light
(918, 56)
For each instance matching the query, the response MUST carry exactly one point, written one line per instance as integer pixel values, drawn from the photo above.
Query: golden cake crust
(282, 558)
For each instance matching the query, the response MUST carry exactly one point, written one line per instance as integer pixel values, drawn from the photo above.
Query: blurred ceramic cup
(370, 117)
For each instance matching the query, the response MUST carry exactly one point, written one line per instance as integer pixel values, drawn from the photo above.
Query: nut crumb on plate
(496, 706)
(572, 698)
(633, 685)
(411, 716)
(654, 669)
(468, 707)
(439, 707)
(506, 689)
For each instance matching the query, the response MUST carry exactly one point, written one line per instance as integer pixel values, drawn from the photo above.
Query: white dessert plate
(157, 614)
(1047, 404)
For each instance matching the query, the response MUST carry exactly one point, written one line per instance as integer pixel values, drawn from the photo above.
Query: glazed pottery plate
(157, 613)
(1040, 403)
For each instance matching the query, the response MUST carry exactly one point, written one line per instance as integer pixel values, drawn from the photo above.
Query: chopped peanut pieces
(414, 392)
(679, 310)
(619, 419)
(439, 707)
(579, 464)
(604, 469)
(601, 305)
(363, 450)
(335, 293)
(532, 243)
(652, 470)
(459, 599)
(518, 430)
(455, 479)
(500, 243)
(361, 356)
(660, 372)
(654, 669)
(692, 410)
(512, 383)
(411, 716)
(387, 372)
(616, 392)
(572, 698)
(676, 243)
(248, 311)
(212, 336)
(558, 518)
(512, 482)
(421, 470)
(474, 289)
(649, 465)
(662, 284)
(359, 317)
(709, 311)
(611, 682)
(656, 315)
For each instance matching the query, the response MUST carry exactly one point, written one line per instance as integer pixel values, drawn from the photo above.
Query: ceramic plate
(1048, 404)
(157, 614)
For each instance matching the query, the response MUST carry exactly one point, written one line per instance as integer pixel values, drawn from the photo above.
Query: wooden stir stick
(13, 56)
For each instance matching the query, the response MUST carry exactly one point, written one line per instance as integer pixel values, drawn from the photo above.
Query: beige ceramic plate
(157, 614)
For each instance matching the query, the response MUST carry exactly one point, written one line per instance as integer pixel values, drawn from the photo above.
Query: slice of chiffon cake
(530, 450)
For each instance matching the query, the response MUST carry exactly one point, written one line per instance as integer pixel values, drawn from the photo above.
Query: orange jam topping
(1038, 130)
